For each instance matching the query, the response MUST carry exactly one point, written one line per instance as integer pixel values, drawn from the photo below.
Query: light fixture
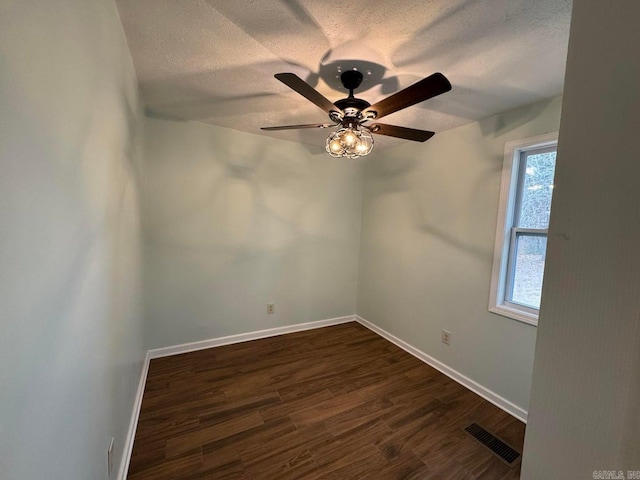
(352, 141)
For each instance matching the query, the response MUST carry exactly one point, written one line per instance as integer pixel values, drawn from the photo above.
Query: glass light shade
(350, 142)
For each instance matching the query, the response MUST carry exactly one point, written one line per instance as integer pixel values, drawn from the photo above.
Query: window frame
(506, 231)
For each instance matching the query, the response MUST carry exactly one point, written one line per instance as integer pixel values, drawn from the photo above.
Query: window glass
(537, 189)
(528, 269)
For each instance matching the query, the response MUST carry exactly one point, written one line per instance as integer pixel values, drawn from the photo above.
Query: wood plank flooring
(338, 403)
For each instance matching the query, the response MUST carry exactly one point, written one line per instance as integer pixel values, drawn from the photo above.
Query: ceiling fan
(354, 137)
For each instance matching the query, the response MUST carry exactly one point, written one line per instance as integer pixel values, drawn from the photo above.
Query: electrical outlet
(446, 337)
(271, 308)
(110, 458)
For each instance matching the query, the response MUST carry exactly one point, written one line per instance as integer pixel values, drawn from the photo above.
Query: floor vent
(497, 446)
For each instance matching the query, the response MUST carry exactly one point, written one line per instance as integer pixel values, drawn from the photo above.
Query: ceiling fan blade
(401, 132)
(293, 127)
(294, 82)
(425, 89)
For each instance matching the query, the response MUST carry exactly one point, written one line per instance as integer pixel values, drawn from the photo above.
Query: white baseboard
(245, 337)
(133, 424)
(489, 395)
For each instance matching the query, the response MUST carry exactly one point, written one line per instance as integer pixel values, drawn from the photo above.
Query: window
(523, 220)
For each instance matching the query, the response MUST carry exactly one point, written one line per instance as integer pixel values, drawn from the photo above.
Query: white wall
(586, 382)
(428, 230)
(70, 329)
(234, 221)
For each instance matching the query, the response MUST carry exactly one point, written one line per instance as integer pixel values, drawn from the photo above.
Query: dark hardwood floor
(339, 402)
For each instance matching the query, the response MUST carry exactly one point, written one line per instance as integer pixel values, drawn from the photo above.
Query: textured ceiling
(214, 60)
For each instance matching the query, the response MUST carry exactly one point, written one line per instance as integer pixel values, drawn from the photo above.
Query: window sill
(519, 315)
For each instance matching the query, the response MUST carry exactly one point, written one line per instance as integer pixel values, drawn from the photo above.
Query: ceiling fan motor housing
(353, 103)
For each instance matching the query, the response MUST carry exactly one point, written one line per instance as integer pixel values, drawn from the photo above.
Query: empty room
(295, 239)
